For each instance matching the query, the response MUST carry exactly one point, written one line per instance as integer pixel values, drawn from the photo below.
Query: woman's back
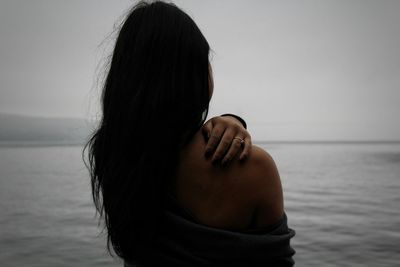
(222, 216)
(237, 197)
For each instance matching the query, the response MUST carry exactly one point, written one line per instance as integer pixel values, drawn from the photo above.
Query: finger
(235, 147)
(206, 129)
(213, 141)
(223, 145)
(247, 148)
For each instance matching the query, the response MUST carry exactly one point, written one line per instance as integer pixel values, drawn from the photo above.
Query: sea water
(343, 200)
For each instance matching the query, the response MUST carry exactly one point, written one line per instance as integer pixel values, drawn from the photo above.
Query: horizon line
(350, 141)
(256, 142)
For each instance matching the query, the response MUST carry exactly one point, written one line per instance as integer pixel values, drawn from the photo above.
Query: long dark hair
(154, 98)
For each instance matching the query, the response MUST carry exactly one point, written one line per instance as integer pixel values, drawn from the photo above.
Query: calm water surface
(343, 201)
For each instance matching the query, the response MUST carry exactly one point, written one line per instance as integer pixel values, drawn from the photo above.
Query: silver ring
(240, 139)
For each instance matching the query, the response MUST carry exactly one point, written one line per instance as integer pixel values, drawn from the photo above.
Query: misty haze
(317, 82)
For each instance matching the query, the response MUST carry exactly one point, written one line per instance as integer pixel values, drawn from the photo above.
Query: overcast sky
(295, 70)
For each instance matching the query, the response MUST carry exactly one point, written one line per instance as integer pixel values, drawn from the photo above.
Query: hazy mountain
(19, 129)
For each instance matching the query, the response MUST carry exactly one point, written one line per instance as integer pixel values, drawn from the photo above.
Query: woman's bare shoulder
(256, 185)
(260, 177)
(250, 190)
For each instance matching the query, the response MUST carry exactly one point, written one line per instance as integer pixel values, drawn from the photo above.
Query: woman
(164, 202)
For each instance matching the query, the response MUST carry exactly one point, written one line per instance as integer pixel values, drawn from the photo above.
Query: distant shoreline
(24, 131)
(38, 144)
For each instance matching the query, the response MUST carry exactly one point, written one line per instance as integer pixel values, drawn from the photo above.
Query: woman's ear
(210, 81)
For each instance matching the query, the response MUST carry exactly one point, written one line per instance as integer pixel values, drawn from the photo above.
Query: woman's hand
(224, 135)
